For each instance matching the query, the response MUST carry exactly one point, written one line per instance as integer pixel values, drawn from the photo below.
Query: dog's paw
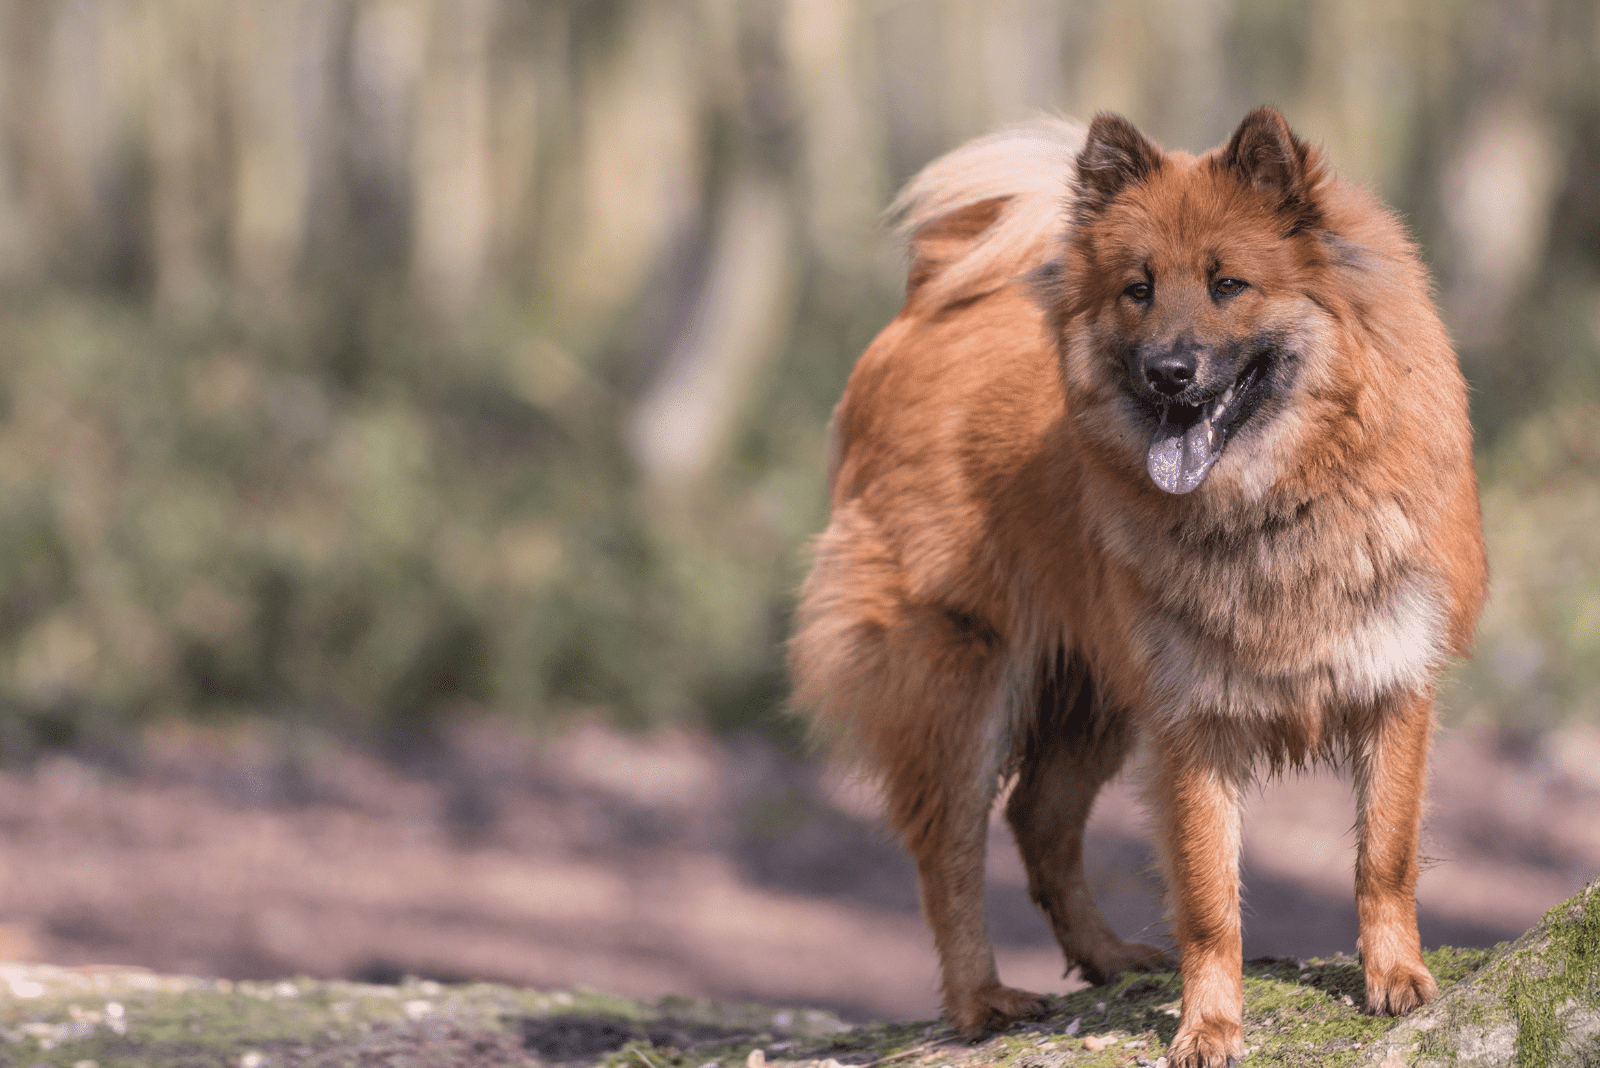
(1212, 1043)
(1124, 957)
(1399, 988)
(992, 1008)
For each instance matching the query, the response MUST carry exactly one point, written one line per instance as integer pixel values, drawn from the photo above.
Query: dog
(1162, 452)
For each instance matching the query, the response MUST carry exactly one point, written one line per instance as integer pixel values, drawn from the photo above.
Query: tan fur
(1002, 589)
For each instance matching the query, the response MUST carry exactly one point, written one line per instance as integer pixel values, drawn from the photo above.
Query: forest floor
(676, 863)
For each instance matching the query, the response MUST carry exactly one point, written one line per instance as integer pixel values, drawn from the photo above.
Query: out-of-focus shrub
(365, 359)
(1538, 659)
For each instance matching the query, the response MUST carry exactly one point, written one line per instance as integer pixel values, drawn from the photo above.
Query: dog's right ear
(1114, 156)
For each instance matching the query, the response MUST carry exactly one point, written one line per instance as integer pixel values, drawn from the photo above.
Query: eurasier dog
(1161, 450)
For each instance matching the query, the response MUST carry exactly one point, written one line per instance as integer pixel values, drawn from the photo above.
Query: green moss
(1542, 981)
(1450, 965)
(1293, 1017)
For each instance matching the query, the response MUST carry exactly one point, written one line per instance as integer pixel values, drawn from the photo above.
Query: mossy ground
(1296, 1013)
(1535, 1003)
(1559, 973)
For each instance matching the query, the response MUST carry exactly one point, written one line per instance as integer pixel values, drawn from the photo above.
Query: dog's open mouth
(1190, 437)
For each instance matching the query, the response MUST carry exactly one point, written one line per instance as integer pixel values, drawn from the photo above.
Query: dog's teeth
(1211, 433)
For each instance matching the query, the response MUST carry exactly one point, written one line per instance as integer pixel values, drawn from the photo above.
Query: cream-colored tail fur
(1030, 165)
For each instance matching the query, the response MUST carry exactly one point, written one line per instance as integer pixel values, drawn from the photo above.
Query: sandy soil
(677, 863)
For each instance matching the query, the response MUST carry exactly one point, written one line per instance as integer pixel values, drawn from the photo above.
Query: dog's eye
(1228, 287)
(1139, 291)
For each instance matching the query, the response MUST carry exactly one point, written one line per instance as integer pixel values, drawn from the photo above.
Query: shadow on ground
(671, 864)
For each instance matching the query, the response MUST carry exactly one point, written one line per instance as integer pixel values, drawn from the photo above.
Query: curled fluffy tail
(990, 211)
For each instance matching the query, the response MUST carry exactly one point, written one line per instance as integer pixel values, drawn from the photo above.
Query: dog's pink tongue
(1179, 460)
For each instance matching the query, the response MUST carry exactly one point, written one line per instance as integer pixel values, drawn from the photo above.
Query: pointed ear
(1114, 156)
(1270, 159)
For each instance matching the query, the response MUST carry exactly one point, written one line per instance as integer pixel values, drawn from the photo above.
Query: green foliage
(1537, 663)
(324, 358)
(215, 521)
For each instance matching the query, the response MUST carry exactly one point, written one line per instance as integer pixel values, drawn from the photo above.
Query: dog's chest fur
(1303, 611)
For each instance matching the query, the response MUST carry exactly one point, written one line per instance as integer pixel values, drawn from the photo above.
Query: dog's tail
(990, 211)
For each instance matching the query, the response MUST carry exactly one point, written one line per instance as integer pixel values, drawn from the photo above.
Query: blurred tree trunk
(452, 195)
(739, 319)
(182, 74)
(280, 54)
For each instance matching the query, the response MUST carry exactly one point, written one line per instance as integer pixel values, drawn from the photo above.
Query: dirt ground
(676, 863)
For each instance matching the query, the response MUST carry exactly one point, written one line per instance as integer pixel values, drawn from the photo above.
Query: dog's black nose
(1170, 372)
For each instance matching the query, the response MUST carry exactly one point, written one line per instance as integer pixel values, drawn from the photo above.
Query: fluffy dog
(1161, 450)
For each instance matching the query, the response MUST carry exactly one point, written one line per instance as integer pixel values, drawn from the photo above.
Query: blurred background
(421, 377)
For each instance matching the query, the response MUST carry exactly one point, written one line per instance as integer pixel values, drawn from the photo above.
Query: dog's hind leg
(955, 711)
(1072, 748)
(923, 695)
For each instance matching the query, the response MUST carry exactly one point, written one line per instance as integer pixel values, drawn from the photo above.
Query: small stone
(1346, 999)
(1096, 1043)
(416, 1010)
(1161, 1062)
(252, 1059)
(757, 1059)
(26, 988)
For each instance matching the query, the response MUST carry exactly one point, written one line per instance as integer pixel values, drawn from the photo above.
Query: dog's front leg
(1195, 804)
(1390, 772)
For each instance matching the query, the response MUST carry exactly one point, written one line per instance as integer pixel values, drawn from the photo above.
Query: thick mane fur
(990, 211)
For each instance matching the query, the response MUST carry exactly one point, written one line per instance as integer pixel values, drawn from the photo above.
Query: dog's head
(1186, 298)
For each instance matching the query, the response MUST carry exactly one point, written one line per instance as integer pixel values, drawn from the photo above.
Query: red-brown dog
(1163, 450)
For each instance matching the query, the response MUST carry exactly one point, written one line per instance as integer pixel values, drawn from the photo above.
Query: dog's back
(916, 470)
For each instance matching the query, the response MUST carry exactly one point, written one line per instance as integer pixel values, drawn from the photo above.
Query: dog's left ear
(1272, 160)
(1267, 154)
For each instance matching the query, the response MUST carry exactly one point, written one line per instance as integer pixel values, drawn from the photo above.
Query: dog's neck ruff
(1302, 614)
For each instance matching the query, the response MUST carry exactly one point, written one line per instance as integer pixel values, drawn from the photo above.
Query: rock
(1535, 1003)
